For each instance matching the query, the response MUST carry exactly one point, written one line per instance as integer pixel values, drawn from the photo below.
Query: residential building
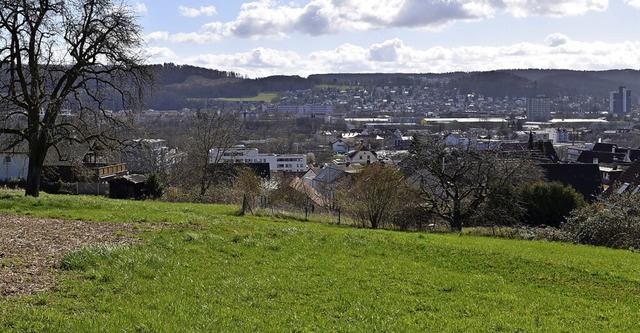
(557, 135)
(148, 155)
(340, 147)
(620, 100)
(242, 154)
(539, 109)
(362, 155)
(13, 165)
(313, 109)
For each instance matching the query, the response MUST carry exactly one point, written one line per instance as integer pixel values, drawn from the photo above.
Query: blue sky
(302, 37)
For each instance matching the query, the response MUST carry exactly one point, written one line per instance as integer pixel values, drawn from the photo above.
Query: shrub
(413, 218)
(613, 222)
(548, 203)
(152, 187)
(501, 208)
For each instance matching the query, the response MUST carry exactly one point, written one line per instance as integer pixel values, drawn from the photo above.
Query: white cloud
(386, 52)
(140, 7)
(194, 12)
(556, 39)
(554, 8)
(157, 36)
(394, 55)
(195, 37)
(258, 62)
(633, 3)
(272, 19)
(159, 54)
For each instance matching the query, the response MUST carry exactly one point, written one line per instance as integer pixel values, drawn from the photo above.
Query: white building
(241, 154)
(13, 166)
(313, 109)
(557, 135)
(340, 147)
(361, 155)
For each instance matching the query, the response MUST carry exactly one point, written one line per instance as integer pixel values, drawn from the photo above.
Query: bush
(548, 203)
(501, 208)
(612, 222)
(152, 187)
(413, 218)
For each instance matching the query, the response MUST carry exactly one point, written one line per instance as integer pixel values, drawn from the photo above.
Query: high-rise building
(538, 108)
(620, 101)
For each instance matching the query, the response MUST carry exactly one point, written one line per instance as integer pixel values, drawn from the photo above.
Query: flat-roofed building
(277, 162)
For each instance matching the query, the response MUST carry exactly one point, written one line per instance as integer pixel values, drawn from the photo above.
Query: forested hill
(179, 86)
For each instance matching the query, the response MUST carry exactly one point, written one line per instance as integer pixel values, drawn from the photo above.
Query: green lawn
(262, 97)
(258, 274)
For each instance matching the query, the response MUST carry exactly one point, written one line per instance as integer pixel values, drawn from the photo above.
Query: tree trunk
(456, 218)
(203, 181)
(34, 172)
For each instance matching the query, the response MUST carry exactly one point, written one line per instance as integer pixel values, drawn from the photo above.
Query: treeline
(170, 73)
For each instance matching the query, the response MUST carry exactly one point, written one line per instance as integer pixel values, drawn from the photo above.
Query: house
(314, 196)
(584, 178)
(401, 142)
(340, 147)
(328, 178)
(628, 180)
(13, 165)
(362, 155)
(89, 166)
(452, 140)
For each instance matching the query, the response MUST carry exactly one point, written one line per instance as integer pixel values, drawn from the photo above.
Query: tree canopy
(457, 181)
(65, 67)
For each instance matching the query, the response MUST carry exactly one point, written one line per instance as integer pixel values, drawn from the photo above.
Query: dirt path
(31, 247)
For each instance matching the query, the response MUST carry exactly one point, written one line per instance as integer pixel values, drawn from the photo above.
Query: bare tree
(457, 181)
(210, 134)
(373, 194)
(81, 55)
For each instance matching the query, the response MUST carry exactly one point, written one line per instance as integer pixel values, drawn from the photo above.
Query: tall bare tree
(211, 132)
(81, 55)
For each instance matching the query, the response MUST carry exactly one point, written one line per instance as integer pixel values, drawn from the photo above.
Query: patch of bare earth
(31, 247)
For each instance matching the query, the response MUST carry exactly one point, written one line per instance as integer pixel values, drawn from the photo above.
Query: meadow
(211, 270)
(262, 97)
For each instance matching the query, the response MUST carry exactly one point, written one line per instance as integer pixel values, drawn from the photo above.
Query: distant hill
(188, 86)
(179, 86)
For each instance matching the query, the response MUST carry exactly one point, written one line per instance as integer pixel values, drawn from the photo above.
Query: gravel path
(30, 248)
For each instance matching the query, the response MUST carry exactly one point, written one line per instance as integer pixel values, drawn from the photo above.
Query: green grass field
(217, 272)
(262, 97)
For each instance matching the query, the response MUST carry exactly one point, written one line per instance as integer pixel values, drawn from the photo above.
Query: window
(622, 188)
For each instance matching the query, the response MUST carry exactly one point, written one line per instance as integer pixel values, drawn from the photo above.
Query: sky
(301, 37)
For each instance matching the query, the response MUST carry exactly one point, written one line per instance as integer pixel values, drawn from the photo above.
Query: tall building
(538, 108)
(620, 101)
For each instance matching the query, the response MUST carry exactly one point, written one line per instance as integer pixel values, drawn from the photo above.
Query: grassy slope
(262, 97)
(259, 274)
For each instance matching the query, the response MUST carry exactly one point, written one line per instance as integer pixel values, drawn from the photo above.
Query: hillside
(209, 270)
(189, 86)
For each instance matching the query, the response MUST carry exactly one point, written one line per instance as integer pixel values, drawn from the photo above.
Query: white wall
(13, 166)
